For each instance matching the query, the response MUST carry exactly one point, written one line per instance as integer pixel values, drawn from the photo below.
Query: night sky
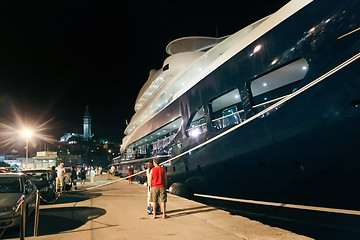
(56, 57)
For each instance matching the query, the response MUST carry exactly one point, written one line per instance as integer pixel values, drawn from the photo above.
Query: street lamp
(27, 134)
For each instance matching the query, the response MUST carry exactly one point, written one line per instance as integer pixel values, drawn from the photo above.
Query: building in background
(87, 125)
(71, 137)
(45, 159)
(74, 138)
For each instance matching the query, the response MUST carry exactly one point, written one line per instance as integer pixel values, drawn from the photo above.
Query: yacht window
(198, 123)
(157, 142)
(227, 110)
(230, 116)
(274, 86)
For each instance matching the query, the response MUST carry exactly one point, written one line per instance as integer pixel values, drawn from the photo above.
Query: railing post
(22, 219)
(37, 208)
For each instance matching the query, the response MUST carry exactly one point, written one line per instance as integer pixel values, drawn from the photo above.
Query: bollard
(22, 219)
(37, 208)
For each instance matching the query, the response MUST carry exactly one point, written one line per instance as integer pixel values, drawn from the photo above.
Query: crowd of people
(59, 177)
(156, 182)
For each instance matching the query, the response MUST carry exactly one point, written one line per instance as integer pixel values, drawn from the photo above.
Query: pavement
(111, 208)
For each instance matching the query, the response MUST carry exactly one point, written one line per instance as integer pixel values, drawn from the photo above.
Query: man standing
(158, 183)
(60, 177)
(112, 170)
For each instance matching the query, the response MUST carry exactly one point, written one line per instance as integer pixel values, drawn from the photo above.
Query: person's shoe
(149, 210)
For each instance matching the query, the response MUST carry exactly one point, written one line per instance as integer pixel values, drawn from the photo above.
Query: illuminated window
(155, 142)
(198, 124)
(272, 87)
(227, 110)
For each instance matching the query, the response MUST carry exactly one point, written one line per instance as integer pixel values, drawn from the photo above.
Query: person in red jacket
(158, 183)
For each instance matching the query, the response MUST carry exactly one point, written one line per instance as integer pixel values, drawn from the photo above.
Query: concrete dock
(118, 211)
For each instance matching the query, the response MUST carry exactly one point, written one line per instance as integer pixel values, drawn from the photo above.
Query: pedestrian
(112, 170)
(52, 177)
(60, 171)
(148, 172)
(92, 174)
(82, 175)
(73, 177)
(158, 183)
(131, 172)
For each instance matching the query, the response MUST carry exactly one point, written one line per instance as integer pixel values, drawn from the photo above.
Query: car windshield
(10, 185)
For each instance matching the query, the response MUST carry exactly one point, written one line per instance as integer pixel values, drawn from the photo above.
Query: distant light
(274, 61)
(304, 67)
(236, 96)
(264, 84)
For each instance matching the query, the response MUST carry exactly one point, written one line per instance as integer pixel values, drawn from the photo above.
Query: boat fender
(181, 190)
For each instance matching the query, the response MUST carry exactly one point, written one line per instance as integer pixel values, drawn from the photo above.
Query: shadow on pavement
(55, 220)
(189, 211)
(69, 197)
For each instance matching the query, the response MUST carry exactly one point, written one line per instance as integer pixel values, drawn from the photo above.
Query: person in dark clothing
(82, 175)
(52, 184)
(73, 177)
(52, 175)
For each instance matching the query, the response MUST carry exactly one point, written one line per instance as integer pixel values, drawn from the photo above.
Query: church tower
(87, 125)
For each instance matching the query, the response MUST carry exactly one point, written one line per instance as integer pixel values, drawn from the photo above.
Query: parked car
(46, 187)
(4, 170)
(14, 186)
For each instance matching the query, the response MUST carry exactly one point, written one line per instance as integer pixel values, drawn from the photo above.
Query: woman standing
(148, 171)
